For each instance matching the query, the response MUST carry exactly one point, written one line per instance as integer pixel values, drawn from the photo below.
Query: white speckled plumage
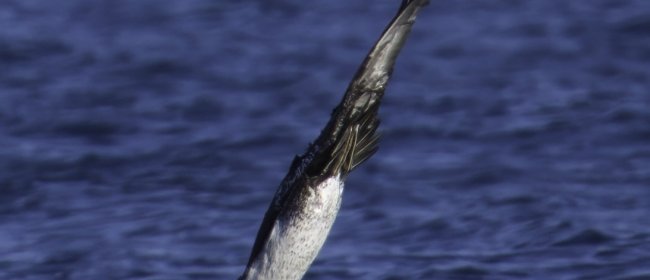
(307, 201)
(303, 239)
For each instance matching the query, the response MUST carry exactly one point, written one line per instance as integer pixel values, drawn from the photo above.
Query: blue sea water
(144, 139)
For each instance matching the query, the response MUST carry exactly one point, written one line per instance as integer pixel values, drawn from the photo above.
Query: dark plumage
(348, 139)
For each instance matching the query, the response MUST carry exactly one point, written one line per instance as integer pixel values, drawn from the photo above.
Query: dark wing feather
(350, 137)
(360, 104)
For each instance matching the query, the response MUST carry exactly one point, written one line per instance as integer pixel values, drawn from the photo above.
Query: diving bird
(308, 199)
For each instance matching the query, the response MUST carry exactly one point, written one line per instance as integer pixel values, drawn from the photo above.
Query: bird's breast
(299, 234)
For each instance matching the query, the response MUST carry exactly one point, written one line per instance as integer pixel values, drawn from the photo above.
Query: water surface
(145, 139)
